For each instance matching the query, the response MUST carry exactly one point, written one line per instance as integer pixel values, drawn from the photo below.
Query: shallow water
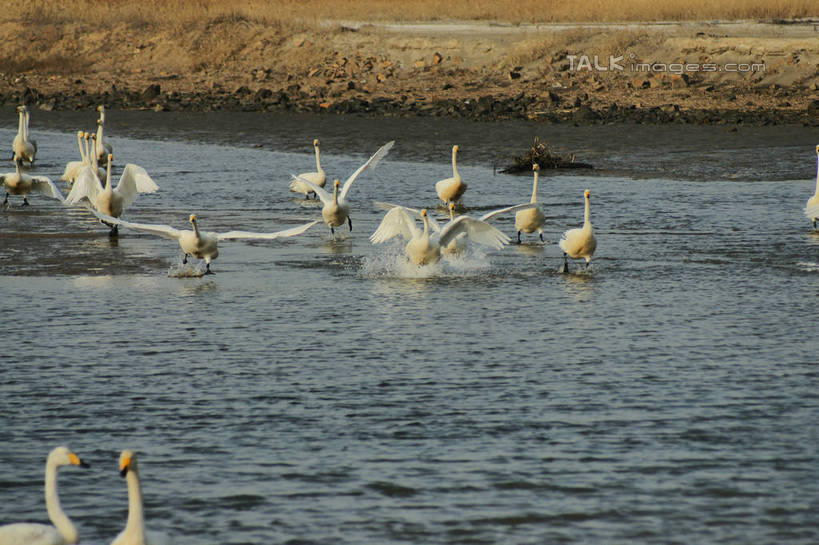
(320, 391)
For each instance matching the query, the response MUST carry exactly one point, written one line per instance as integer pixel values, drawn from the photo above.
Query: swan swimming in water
(20, 183)
(529, 221)
(451, 190)
(812, 206)
(63, 531)
(318, 177)
(201, 244)
(134, 532)
(336, 209)
(580, 242)
(107, 199)
(23, 146)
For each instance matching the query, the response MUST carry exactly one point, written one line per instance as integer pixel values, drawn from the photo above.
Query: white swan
(451, 189)
(318, 177)
(200, 244)
(20, 183)
(424, 248)
(63, 530)
(107, 199)
(812, 206)
(23, 146)
(529, 221)
(72, 168)
(579, 242)
(134, 532)
(104, 148)
(336, 209)
(458, 245)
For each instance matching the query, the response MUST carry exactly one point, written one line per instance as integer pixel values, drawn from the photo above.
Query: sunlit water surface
(323, 391)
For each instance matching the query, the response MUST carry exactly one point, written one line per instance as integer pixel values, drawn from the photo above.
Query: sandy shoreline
(724, 72)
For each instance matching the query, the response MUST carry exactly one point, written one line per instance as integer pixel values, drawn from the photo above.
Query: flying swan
(134, 532)
(812, 206)
(63, 530)
(318, 177)
(336, 210)
(109, 200)
(201, 244)
(579, 242)
(529, 221)
(451, 189)
(20, 183)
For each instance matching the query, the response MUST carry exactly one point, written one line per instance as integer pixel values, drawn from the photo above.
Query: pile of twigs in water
(545, 157)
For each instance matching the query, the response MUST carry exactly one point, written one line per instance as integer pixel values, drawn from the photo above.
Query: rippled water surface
(321, 391)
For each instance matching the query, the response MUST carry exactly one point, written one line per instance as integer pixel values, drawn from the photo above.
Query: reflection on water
(320, 391)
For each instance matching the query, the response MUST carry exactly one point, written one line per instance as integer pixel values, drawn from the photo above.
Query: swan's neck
(426, 227)
(136, 518)
(817, 173)
(109, 187)
(55, 511)
(455, 163)
(318, 161)
(21, 124)
(99, 137)
(335, 194)
(534, 188)
(586, 221)
(196, 230)
(25, 124)
(79, 145)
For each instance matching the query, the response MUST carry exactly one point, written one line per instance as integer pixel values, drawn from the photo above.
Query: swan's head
(452, 206)
(424, 212)
(587, 194)
(80, 134)
(100, 108)
(192, 219)
(817, 149)
(336, 183)
(62, 456)
(535, 167)
(110, 158)
(315, 142)
(86, 135)
(455, 148)
(93, 137)
(127, 462)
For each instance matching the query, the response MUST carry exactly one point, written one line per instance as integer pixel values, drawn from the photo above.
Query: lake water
(320, 391)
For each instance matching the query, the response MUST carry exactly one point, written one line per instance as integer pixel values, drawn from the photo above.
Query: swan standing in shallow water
(318, 177)
(336, 210)
(529, 221)
(20, 183)
(63, 530)
(451, 190)
(103, 148)
(424, 248)
(201, 244)
(23, 146)
(812, 206)
(579, 242)
(108, 200)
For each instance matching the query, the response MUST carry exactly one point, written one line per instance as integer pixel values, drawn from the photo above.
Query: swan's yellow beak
(424, 212)
(192, 219)
(75, 460)
(110, 156)
(536, 167)
(817, 149)
(587, 194)
(452, 206)
(315, 142)
(125, 462)
(455, 147)
(336, 183)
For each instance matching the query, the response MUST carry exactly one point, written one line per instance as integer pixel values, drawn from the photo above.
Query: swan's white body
(134, 532)
(336, 209)
(531, 220)
(109, 200)
(104, 148)
(63, 531)
(451, 189)
(812, 206)
(201, 244)
(318, 177)
(73, 168)
(20, 183)
(458, 245)
(23, 146)
(425, 248)
(580, 242)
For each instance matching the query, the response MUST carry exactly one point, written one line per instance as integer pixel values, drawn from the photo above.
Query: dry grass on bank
(309, 12)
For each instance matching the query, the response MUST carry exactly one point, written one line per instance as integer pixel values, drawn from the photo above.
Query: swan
(134, 532)
(458, 245)
(103, 148)
(336, 210)
(579, 242)
(812, 206)
(451, 189)
(107, 199)
(529, 221)
(20, 183)
(318, 177)
(200, 244)
(63, 530)
(72, 168)
(23, 146)
(424, 248)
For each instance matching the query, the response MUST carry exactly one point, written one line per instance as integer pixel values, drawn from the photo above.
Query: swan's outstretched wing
(154, 228)
(293, 231)
(397, 222)
(518, 207)
(812, 211)
(44, 185)
(29, 532)
(411, 211)
(478, 231)
(370, 164)
(86, 186)
(134, 180)
(320, 191)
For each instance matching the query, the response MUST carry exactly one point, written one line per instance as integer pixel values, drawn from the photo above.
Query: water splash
(187, 270)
